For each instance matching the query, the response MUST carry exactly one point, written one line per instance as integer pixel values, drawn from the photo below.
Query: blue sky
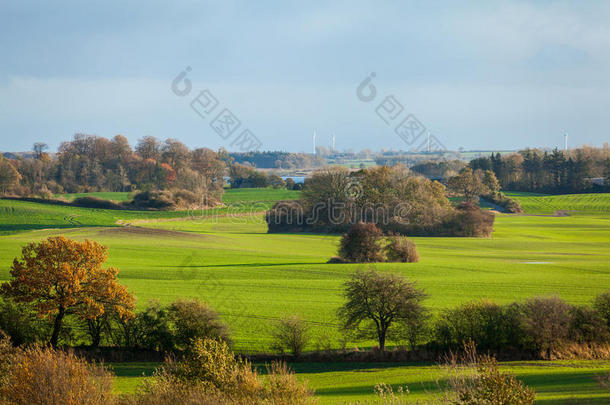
(477, 74)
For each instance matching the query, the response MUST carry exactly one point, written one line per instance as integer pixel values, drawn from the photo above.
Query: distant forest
(581, 170)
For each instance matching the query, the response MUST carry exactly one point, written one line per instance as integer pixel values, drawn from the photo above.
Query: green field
(113, 196)
(556, 382)
(583, 204)
(252, 278)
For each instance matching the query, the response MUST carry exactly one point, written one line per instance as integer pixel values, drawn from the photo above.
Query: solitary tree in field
(64, 277)
(375, 302)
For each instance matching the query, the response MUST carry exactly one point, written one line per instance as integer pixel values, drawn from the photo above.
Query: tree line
(92, 163)
(580, 170)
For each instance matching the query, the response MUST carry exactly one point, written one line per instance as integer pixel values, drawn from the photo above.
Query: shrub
(291, 333)
(194, 319)
(470, 220)
(290, 183)
(602, 306)
(477, 380)
(400, 249)
(587, 326)
(96, 202)
(285, 216)
(546, 323)
(149, 329)
(186, 198)
(485, 323)
(46, 376)
(161, 200)
(20, 322)
(361, 244)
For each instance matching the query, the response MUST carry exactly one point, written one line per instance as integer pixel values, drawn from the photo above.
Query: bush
(162, 200)
(479, 381)
(291, 333)
(194, 319)
(485, 323)
(602, 306)
(400, 249)
(209, 367)
(361, 244)
(43, 376)
(149, 329)
(470, 220)
(20, 322)
(587, 326)
(96, 202)
(546, 322)
(285, 216)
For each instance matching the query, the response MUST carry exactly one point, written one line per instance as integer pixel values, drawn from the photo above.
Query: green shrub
(191, 319)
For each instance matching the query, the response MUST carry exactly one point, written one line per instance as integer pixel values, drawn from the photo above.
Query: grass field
(583, 204)
(113, 196)
(556, 382)
(253, 278)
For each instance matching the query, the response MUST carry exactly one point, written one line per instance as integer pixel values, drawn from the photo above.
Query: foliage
(291, 333)
(477, 380)
(485, 323)
(193, 319)
(546, 322)
(46, 376)
(20, 321)
(377, 301)
(208, 366)
(362, 244)
(469, 184)
(550, 172)
(401, 249)
(602, 306)
(62, 276)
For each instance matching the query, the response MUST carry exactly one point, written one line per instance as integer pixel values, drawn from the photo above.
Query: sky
(475, 74)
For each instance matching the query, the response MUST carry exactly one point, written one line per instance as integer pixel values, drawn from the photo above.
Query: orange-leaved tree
(62, 276)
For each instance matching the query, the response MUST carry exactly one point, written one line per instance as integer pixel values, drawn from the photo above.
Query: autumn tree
(62, 277)
(491, 182)
(9, 176)
(377, 301)
(468, 184)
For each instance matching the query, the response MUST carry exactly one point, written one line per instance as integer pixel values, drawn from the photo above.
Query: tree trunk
(57, 326)
(382, 334)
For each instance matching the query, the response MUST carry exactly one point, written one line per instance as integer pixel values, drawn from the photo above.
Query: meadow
(224, 256)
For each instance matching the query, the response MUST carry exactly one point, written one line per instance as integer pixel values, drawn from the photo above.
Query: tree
(39, 148)
(290, 183)
(376, 301)
(292, 333)
(468, 184)
(9, 176)
(362, 244)
(64, 277)
(491, 182)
